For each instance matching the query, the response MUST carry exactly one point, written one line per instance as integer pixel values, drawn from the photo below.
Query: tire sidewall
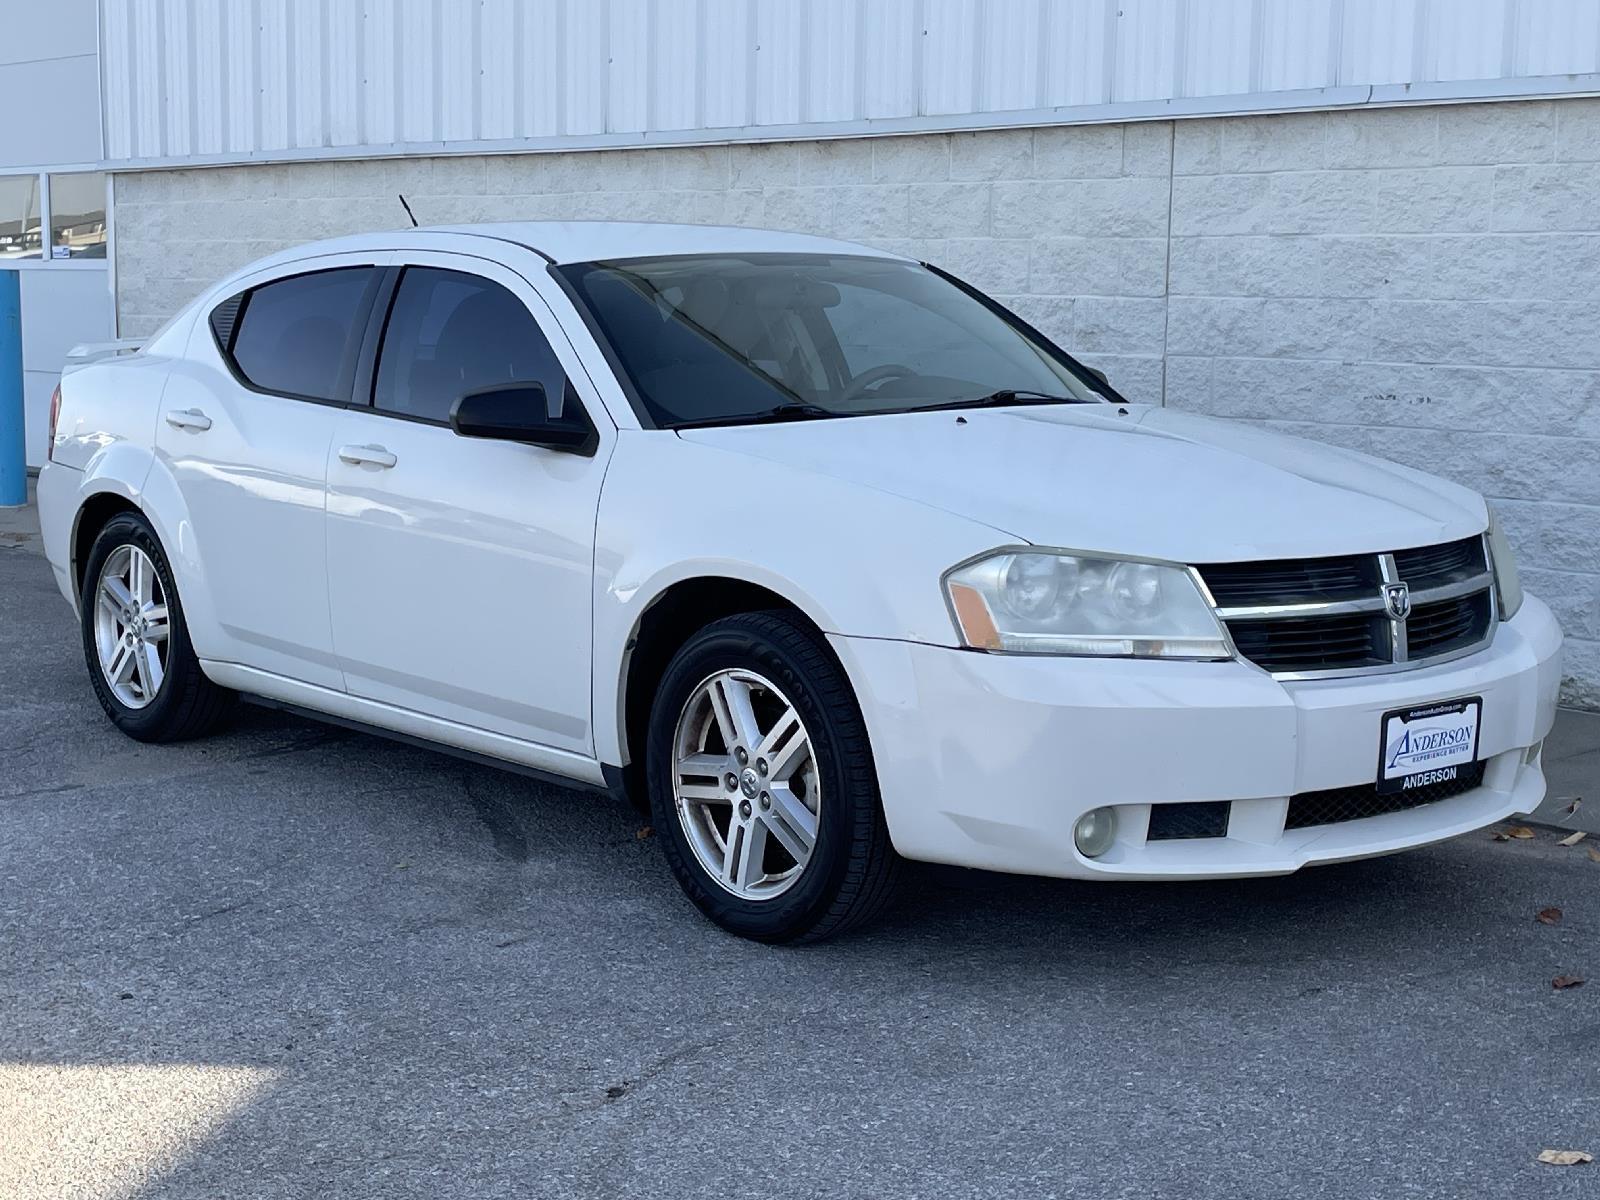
(732, 645)
(128, 529)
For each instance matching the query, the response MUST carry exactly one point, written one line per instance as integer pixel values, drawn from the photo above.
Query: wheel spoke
(741, 858)
(700, 792)
(115, 596)
(120, 669)
(736, 718)
(792, 823)
(141, 668)
(703, 766)
(786, 747)
(138, 578)
(150, 671)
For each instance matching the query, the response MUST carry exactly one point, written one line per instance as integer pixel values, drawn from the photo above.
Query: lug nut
(744, 808)
(741, 755)
(761, 765)
(732, 781)
(766, 800)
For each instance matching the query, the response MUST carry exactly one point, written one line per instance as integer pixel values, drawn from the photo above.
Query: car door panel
(460, 569)
(251, 466)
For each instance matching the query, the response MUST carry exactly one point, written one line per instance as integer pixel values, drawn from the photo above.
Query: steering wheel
(872, 375)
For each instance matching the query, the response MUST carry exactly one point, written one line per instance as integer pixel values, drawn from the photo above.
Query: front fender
(856, 561)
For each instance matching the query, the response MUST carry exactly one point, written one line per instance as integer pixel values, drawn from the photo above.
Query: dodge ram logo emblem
(1397, 600)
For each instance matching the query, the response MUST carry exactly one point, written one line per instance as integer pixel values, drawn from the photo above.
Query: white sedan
(819, 551)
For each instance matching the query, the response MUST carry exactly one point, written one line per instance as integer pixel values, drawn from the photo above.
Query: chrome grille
(1334, 615)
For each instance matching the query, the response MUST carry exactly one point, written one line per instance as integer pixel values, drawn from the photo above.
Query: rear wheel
(135, 643)
(762, 783)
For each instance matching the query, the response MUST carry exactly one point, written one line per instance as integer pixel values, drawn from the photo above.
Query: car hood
(1125, 479)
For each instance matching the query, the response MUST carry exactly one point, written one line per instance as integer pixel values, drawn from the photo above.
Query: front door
(460, 570)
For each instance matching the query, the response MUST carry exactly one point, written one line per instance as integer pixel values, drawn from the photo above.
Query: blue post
(13, 421)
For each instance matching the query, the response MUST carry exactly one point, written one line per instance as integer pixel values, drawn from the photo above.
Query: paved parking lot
(295, 961)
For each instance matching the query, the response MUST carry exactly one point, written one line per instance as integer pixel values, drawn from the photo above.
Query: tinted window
(295, 335)
(449, 334)
(724, 338)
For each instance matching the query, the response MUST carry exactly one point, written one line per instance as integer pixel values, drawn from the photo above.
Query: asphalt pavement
(292, 960)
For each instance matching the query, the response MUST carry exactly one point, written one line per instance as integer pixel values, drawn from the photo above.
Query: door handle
(372, 456)
(188, 418)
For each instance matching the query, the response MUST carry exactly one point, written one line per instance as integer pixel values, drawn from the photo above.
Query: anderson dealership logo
(1414, 749)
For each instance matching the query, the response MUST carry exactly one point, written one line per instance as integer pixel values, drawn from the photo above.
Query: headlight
(1506, 582)
(1046, 602)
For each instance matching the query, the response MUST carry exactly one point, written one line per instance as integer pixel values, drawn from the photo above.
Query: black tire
(853, 868)
(187, 704)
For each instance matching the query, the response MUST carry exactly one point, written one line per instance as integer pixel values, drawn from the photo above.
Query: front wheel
(762, 784)
(136, 644)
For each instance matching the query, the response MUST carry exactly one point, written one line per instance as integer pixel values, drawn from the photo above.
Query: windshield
(725, 338)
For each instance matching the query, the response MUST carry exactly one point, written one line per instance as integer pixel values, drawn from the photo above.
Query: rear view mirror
(520, 413)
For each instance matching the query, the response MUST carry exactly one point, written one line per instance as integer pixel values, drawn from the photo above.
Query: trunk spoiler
(92, 352)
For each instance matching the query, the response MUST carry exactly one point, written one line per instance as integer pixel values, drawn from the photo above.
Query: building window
(19, 216)
(78, 215)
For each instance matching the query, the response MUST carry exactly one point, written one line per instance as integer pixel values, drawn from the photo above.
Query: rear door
(246, 422)
(460, 569)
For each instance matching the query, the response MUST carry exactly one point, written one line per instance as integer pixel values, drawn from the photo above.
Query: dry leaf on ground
(1519, 831)
(1550, 916)
(1562, 982)
(1572, 839)
(644, 832)
(1572, 803)
(1594, 853)
(1565, 1158)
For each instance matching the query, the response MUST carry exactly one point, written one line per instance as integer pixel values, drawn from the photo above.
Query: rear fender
(134, 474)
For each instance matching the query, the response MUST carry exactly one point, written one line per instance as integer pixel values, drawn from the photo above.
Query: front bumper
(988, 760)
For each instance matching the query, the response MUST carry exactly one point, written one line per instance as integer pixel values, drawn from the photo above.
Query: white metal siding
(233, 79)
(49, 53)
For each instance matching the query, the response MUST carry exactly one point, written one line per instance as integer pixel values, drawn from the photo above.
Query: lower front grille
(1202, 819)
(1364, 800)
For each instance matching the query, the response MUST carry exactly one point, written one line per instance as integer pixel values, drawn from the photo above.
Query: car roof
(588, 241)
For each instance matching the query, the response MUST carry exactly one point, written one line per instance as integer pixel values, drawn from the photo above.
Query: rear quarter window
(296, 336)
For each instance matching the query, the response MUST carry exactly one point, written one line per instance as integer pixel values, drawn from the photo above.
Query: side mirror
(519, 412)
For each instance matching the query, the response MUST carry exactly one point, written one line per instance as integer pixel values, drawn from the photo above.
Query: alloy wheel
(131, 626)
(745, 784)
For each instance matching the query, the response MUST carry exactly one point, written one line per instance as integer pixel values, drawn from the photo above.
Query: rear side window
(450, 333)
(296, 336)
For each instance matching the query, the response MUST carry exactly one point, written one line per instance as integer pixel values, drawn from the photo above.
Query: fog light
(1095, 831)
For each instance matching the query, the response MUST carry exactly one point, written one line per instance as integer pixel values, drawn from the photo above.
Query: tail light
(55, 415)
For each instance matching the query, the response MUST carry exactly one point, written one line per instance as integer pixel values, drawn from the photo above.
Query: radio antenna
(407, 207)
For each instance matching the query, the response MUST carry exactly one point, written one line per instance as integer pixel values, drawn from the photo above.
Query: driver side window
(450, 333)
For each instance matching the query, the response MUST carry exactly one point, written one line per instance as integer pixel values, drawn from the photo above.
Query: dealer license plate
(1428, 744)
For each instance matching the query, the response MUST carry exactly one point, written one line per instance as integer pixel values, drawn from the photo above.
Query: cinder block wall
(1421, 283)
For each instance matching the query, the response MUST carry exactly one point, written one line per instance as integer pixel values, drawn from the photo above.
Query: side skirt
(560, 767)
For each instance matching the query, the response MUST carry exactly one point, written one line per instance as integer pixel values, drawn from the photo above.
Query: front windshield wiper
(770, 416)
(1005, 398)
